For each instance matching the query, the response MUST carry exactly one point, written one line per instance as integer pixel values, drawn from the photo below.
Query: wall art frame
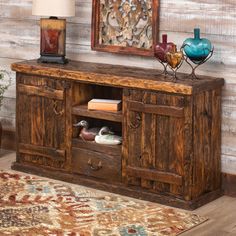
(125, 26)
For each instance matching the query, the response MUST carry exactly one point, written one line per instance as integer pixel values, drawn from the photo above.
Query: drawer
(95, 164)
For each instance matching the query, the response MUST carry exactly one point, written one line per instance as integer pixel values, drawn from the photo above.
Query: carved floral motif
(126, 23)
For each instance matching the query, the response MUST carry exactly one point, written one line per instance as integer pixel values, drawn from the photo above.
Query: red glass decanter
(162, 48)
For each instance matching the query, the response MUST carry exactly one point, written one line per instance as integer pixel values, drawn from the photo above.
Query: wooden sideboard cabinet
(171, 131)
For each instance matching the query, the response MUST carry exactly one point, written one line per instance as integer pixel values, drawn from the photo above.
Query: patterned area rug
(33, 206)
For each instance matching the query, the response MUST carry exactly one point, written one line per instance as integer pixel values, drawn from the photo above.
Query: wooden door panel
(176, 145)
(147, 159)
(51, 123)
(23, 118)
(155, 141)
(37, 119)
(162, 155)
(133, 137)
(54, 123)
(41, 121)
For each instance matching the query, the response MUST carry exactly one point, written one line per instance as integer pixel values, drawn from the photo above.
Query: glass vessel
(161, 49)
(174, 58)
(197, 49)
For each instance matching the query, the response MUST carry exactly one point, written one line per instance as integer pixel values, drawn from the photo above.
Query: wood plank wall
(19, 39)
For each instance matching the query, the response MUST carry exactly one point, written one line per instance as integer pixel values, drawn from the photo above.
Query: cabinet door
(41, 121)
(157, 141)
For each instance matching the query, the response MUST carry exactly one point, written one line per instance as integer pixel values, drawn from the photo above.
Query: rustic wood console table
(171, 131)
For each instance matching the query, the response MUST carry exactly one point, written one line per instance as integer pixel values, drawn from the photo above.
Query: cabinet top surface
(120, 76)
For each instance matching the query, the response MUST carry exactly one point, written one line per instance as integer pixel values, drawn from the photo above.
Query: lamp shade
(57, 8)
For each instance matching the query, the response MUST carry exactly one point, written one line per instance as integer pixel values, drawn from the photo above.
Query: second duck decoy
(105, 137)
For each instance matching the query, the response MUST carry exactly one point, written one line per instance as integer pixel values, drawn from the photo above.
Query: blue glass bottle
(197, 49)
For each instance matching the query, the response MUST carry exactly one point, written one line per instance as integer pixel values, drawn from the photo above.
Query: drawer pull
(55, 109)
(93, 167)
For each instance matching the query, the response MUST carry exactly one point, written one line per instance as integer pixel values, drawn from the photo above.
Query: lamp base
(53, 59)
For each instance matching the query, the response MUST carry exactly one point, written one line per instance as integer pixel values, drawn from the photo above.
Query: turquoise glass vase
(197, 49)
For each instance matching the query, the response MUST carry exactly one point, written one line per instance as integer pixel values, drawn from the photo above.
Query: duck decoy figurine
(87, 134)
(104, 137)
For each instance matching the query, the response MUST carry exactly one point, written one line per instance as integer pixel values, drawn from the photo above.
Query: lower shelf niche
(105, 132)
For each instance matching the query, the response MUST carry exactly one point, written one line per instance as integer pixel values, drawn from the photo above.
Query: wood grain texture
(41, 151)
(68, 131)
(147, 139)
(163, 142)
(207, 142)
(154, 175)
(82, 110)
(41, 91)
(154, 109)
(121, 76)
(106, 149)
(185, 116)
(40, 125)
(19, 39)
(96, 164)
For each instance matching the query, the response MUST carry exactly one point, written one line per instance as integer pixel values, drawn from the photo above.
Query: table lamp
(53, 30)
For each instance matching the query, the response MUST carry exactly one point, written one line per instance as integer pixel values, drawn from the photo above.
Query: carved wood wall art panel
(125, 26)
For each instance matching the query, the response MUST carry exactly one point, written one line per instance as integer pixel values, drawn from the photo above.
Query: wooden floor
(221, 213)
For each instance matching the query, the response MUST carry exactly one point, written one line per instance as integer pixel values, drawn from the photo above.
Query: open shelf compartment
(83, 93)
